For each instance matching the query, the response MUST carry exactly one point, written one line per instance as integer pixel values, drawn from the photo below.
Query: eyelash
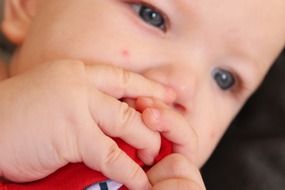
(155, 9)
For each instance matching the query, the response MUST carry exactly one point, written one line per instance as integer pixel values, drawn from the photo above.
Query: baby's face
(213, 53)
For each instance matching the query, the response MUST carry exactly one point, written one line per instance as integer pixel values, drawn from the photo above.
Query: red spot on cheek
(125, 53)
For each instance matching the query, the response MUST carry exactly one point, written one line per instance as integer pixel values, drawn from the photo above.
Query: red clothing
(78, 176)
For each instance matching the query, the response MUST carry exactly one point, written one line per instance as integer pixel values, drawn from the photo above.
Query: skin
(3, 71)
(238, 41)
(202, 36)
(175, 172)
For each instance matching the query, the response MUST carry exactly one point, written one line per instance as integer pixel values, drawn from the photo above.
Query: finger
(130, 101)
(177, 184)
(143, 103)
(174, 166)
(101, 153)
(172, 125)
(119, 120)
(119, 83)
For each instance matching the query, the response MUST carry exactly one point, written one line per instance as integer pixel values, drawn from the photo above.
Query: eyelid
(242, 80)
(238, 81)
(240, 89)
(162, 13)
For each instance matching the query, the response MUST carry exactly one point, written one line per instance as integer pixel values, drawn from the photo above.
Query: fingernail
(155, 115)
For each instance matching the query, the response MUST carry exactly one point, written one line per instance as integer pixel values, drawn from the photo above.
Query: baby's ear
(18, 15)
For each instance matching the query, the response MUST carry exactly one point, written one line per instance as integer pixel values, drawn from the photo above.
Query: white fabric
(112, 185)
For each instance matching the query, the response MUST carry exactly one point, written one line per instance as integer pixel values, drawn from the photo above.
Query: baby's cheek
(209, 131)
(120, 57)
(3, 70)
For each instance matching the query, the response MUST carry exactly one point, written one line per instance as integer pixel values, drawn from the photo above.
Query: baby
(187, 67)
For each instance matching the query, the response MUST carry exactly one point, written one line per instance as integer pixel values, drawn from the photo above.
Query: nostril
(180, 108)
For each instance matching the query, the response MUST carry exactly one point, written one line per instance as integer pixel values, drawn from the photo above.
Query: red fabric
(78, 176)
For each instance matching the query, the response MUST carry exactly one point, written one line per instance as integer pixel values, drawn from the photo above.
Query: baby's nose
(179, 79)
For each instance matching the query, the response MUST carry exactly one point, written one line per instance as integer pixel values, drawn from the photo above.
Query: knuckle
(135, 173)
(125, 77)
(112, 155)
(126, 117)
(69, 146)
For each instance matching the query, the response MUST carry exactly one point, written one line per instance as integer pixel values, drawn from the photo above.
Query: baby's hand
(65, 111)
(160, 117)
(175, 172)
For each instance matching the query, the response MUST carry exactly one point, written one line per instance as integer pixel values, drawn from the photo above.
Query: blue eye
(150, 16)
(224, 79)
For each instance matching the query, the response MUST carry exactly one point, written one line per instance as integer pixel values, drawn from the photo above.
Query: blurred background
(251, 156)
